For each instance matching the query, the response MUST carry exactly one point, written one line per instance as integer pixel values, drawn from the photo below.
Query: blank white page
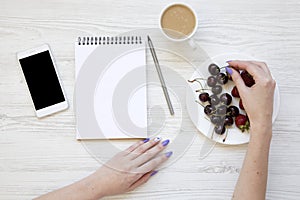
(111, 96)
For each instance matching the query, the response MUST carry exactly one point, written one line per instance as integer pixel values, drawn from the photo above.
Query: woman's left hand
(130, 168)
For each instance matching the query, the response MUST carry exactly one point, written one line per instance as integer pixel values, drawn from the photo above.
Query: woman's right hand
(258, 99)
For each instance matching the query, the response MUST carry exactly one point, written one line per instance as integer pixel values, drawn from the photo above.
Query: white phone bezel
(53, 108)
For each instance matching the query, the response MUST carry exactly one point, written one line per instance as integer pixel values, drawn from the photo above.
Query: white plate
(198, 117)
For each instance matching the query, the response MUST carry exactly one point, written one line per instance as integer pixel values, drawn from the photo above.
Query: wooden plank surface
(37, 156)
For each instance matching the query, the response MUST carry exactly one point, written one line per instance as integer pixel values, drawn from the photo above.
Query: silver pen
(161, 78)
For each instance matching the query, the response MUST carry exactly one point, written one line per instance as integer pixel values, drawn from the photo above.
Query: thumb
(237, 79)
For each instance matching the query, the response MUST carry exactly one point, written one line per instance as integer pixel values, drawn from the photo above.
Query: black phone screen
(42, 80)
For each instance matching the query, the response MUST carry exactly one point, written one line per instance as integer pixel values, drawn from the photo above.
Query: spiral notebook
(110, 92)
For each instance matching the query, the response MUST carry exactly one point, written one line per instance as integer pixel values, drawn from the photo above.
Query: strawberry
(248, 79)
(235, 92)
(242, 122)
(241, 105)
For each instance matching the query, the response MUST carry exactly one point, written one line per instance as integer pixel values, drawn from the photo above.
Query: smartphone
(42, 79)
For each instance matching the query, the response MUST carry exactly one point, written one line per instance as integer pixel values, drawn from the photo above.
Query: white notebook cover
(110, 89)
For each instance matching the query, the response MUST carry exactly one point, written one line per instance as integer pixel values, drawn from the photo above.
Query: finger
(148, 155)
(154, 163)
(144, 147)
(135, 145)
(141, 180)
(253, 69)
(263, 66)
(237, 79)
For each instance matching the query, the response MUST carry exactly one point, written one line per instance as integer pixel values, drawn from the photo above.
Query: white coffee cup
(180, 17)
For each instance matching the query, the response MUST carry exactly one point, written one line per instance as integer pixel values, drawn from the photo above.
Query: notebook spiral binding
(109, 40)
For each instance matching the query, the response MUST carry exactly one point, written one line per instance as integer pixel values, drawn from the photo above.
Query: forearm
(87, 188)
(252, 181)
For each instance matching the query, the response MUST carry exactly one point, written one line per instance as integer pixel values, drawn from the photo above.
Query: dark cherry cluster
(217, 105)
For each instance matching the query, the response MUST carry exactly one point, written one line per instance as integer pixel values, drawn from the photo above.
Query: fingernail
(229, 70)
(153, 173)
(157, 139)
(165, 143)
(229, 61)
(168, 154)
(146, 140)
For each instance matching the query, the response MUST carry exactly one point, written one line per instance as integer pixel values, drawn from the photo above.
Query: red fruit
(242, 122)
(235, 92)
(241, 105)
(248, 79)
(204, 97)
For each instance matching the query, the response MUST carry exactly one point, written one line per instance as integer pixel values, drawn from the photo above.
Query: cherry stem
(226, 134)
(197, 80)
(223, 104)
(199, 103)
(201, 90)
(213, 112)
(207, 118)
(212, 135)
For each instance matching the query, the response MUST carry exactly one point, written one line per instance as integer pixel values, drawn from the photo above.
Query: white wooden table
(37, 156)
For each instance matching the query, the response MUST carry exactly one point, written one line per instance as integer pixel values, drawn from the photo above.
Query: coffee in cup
(178, 22)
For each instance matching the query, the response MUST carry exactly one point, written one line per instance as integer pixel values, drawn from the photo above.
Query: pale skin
(134, 166)
(123, 173)
(258, 103)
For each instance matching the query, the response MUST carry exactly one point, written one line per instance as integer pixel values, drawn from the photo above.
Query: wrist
(261, 132)
(92, 186)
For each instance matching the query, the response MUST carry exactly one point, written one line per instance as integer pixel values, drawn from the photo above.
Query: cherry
(226, 98)
(216, 89)
(222, 78)
(219, 129)
(221, 110)
(228, 121)
(233, 111)
(204, 97)
(215, 119)
(213, 69)
(209, 109)
(214, 100)
(211, 81)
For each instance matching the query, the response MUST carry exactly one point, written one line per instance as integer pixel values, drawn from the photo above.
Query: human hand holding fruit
(256, 94)
(217, 105)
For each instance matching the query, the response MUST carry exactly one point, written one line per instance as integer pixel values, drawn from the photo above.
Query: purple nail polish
(229, 61)
(146, 140)
(153, 173)
(168, 154)
(229, 70)
(165, 143)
